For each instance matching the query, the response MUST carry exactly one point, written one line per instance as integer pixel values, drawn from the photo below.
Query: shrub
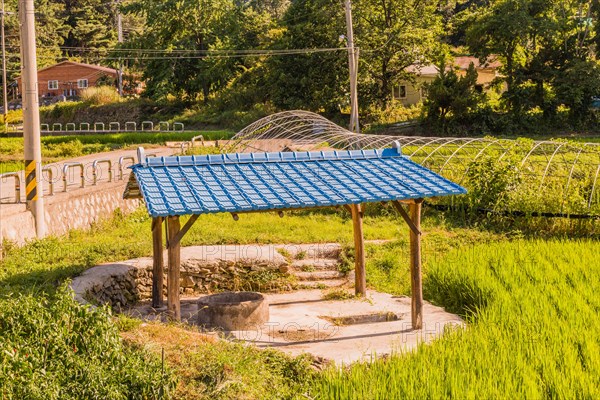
(53, 347)
(100, 95)
(394, 113)
(73, 148)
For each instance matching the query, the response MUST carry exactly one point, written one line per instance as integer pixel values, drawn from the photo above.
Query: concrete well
(233, 311)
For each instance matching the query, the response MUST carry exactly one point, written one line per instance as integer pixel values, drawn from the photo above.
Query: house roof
(67, 63)
(242, 182)
(461, 63)
(423, 70)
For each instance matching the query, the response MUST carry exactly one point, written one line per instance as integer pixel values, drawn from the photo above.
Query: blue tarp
(243, 182)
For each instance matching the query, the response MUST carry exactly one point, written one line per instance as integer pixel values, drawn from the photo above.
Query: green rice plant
(532, 331)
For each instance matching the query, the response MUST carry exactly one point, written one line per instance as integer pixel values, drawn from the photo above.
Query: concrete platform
(342, 331)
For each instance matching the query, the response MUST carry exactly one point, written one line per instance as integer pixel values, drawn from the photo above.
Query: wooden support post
(415, 266)
(360, 285)
(173, 302)
(157, 263)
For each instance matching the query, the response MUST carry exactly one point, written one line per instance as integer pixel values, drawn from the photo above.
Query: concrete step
(311, 250)
(319, 275)
(320, 284)
(315, 264)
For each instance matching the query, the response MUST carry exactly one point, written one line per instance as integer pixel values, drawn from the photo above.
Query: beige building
(410, 93)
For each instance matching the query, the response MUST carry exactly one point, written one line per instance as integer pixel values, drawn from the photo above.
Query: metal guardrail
(184, 145)
(66, 168)
(95, 170)
(17, 178)
(102, 127)
(196, 138)
(121, 161)
(147, 123)
(50, 179)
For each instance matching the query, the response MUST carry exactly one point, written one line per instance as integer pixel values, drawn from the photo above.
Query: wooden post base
(173, 301)
(360, 285)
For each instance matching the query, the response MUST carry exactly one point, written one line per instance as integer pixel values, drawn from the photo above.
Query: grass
(214, 369)
(531, 308)
(42, 264)
(56, 148)
(53, 348)
(532, 311)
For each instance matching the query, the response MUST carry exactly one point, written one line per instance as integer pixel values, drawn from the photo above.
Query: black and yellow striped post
(31, 117)
(31, 186)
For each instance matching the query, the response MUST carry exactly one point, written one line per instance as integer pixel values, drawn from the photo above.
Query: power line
(162, 55)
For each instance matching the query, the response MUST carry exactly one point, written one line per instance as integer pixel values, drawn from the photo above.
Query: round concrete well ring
(233, 311)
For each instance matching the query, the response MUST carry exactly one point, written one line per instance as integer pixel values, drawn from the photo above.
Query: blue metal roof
(269, 181)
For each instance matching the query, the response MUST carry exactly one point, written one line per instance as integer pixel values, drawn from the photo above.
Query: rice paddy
(533, 329)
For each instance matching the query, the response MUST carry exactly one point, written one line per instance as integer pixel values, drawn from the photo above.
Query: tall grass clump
(100, 95)
(51, 347)
(533, 329)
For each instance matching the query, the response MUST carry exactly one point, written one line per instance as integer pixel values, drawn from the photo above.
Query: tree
(315, 81)
(539, 41)
(92, 26)
(452, 96)
(179, 35)
(392, 35)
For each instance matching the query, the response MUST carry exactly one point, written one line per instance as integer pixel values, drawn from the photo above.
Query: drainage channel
(360, 319)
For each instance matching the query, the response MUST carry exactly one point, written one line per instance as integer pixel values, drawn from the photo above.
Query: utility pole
(31, 117)
(353, 67)
(120, 40)
(4, 83)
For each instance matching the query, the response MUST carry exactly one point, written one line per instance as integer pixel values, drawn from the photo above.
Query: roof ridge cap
(269, 157)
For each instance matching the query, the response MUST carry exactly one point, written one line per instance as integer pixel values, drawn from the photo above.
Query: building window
(424, 92)
(82, 83)
(400, 92)
(52, 85)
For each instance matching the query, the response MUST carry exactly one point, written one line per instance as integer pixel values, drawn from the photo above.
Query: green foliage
(92, 24)
(51, 347)
(532, 329)
(395, 35)
(490, 182)
(546, 49)
(182, 25)
(452, 99)
(375, 117)
(100, 95)
(314, 81)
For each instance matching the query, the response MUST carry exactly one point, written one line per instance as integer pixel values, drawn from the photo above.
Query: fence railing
(113, 126)
(122, 161)
(65, 171)
(17, 178)
(50, 179)
(95, 170)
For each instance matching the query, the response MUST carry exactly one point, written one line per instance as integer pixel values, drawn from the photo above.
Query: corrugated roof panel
(267, 181)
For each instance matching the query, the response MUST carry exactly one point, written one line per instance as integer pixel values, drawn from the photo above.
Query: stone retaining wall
(203, 270)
